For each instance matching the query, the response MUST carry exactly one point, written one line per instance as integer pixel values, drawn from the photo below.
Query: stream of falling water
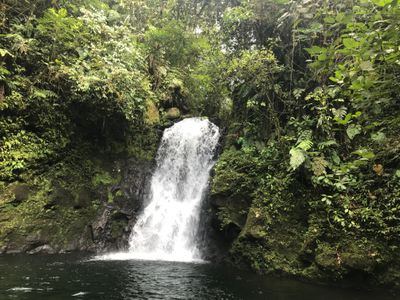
(167, 228)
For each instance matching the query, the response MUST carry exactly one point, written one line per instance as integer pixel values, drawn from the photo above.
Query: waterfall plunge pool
(73, 276)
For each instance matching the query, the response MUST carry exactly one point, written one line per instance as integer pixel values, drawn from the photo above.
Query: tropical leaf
(297, 158)
(378, 137)
(364, 153)
(353, 130)
(350, 43)
(344, 121)
(381, 2)
(305, 145)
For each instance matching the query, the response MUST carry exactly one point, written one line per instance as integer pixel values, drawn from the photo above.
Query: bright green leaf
(350, 43)
(297, 158)
(353, 130)
(364, 153)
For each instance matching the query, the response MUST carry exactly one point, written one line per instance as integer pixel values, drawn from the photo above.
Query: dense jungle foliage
(307, 93)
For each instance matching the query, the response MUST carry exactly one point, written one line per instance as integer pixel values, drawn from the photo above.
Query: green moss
(57, 204)
(233, 212)
(327, 257)
(152, 115)
(232, 187)
(117, 227)
(32, 218)
(54, 208)
(142, 145)
(285, 228)
(257, 224)
(103, 178)
(235, 174)
(173, 113)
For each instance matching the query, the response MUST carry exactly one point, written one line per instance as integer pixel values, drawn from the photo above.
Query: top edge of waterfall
(194, 120)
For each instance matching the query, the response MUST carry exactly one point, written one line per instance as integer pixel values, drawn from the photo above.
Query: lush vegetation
(307, 93)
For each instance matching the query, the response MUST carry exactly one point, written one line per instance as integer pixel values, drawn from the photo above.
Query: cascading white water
(167, 227)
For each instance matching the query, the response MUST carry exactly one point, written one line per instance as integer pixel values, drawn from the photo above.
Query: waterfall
(167, 227)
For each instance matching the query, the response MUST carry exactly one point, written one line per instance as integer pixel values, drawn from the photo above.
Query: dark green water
(74, 277)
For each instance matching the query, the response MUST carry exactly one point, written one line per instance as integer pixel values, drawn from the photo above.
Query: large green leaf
(382, 2)
(297, 158)
(353, 130)
(350, 43)
(364, 153)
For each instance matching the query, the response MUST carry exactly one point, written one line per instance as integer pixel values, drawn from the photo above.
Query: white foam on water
(21, 289)
(79, 294)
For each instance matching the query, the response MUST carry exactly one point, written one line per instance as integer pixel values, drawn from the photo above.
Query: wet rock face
(111, 228)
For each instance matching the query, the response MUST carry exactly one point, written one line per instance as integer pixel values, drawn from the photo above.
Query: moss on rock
(173, 113)
(281, 229)
(60, 208)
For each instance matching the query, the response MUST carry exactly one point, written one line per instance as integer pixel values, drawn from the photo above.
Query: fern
(304, 135)
(298, 154)
(305, 145)
(339, 113)
(325, 144)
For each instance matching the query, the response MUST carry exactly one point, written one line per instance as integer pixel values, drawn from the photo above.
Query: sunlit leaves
(382, 2)
(298, 154)
(19, 151)
(4, 52)
(350, 43)
(353, 130)
(365, 153)
(297, 157)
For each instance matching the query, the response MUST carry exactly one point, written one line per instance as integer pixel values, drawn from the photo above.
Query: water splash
(167, 228)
